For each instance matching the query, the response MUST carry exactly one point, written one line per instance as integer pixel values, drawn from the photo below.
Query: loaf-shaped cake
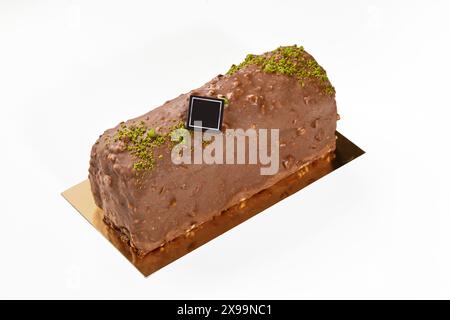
(151, 200)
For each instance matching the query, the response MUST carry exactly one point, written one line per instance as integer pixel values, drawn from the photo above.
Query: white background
(376, 228)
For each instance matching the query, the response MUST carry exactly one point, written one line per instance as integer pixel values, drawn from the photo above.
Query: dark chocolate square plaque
(205, 113)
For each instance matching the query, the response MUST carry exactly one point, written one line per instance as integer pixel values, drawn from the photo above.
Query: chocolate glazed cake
(151, 200)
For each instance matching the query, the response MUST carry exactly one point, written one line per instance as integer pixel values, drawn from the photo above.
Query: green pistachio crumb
(152, 133)
(174, 135)
(140, 142)
(225, 99)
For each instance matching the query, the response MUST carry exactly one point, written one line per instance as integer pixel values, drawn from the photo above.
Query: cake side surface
(152, 200)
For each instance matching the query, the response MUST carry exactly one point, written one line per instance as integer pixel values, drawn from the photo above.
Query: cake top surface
(253, 91)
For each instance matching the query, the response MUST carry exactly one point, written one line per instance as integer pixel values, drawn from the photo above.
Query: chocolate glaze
(171, 199)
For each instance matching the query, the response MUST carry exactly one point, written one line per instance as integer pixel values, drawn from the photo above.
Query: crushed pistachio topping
(140, 142)
(174, 133)
(290, 61)
(178, 125)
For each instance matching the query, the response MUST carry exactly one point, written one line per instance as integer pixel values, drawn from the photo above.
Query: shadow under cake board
(80, 197)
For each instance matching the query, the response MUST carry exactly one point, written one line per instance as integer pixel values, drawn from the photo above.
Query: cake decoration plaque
(205, 113)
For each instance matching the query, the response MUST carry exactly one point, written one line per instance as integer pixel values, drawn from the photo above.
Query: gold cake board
(80, 197)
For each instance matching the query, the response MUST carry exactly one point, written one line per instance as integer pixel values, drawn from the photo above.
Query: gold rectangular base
(80, 197)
